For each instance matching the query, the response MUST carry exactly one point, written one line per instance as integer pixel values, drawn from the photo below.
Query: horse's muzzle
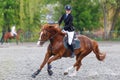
(40, 43)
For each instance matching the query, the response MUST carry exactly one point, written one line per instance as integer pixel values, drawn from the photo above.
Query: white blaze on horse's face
(40, 35)
(38, 43)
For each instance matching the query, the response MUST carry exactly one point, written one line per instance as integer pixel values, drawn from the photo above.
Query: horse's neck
(18, 32)
(57, 38)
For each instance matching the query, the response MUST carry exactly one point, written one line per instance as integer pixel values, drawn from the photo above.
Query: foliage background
(89, 15)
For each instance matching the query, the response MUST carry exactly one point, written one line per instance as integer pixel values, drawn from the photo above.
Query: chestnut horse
(56, 49)
(8, 35)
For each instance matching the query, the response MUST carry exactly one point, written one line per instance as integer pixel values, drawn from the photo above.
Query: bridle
(51, 38)
(54, 35)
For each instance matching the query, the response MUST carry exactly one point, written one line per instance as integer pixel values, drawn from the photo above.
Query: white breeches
(12, 33)
(70, 36)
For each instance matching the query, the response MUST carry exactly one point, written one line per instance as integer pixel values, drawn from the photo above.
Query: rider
(68, 27)
(13, 31)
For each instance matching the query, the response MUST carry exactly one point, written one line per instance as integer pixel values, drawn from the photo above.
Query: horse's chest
(55, 48)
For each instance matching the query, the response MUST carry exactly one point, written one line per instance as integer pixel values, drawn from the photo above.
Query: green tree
(86, 13)
(115, 18)
(8, 9)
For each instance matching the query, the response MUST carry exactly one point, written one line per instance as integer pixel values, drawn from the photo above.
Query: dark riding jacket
(68, 20)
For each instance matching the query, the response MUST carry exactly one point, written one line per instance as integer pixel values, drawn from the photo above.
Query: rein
(51, 38)
(52, 34)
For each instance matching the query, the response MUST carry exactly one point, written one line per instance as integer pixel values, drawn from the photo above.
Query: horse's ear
(44, 26)
(57, 25)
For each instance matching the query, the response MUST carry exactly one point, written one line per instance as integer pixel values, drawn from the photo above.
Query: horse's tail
(100, 56)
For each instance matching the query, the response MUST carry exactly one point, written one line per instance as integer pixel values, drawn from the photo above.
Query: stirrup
(72, 55)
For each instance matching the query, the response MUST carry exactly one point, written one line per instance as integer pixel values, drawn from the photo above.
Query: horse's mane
(52, 27)
(20, 30)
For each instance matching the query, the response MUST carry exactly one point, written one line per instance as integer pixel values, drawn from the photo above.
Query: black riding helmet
(68, 7)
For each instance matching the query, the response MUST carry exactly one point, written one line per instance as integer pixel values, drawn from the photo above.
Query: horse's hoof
(50, 72)
(33, 76)
(72, 75)
(35, 73)
(65, 73)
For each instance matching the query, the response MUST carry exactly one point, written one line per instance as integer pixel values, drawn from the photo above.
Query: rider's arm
(61, 19)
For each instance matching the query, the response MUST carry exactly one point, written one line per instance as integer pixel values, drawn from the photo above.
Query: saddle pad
(75, 43)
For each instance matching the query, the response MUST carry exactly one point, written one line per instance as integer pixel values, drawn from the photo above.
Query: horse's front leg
(49, 67)
(17, 38)
(47, 56)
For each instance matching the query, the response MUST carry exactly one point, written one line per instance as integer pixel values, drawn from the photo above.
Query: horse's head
(48, 31)
(20, 31)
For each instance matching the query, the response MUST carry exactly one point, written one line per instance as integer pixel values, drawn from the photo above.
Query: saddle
(75, 42)
(13, 35)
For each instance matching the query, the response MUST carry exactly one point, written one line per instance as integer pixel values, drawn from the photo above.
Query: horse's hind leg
(68, 69)
(71, 68)
(78, 63)
(100, 56)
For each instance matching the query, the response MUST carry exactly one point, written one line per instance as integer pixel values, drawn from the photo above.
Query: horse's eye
(44, 34)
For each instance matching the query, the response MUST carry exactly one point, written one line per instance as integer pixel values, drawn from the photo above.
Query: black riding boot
(14, 35)
(72, 51)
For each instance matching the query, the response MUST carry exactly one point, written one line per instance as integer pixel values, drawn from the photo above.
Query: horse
(56, 49)
(8, 35)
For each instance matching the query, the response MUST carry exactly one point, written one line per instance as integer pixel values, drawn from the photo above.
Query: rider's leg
(70, 39)
(72, 50)
(14, 35)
